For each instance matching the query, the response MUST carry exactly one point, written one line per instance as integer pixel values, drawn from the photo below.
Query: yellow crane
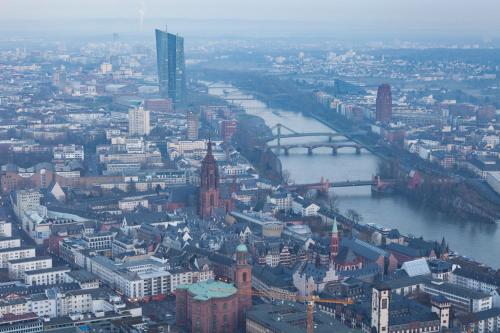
(309, 300)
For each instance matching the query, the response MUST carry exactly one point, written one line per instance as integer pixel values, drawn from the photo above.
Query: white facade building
(17, 267)
(5, 229)
(68, 152)
(46, 276)
(138, 122)
(15, 253)
(9, 242)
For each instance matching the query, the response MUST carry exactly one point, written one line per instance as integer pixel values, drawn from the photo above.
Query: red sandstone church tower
(243, 282)
(334, 242)
(209, 187)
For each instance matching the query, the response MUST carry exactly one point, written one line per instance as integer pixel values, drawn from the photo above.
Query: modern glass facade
(171, 65)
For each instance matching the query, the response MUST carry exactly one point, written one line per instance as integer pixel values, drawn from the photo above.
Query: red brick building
(215, 306)
(163, 105)
(209, 187)
(243, 281)
(210, 306)
(227, 129)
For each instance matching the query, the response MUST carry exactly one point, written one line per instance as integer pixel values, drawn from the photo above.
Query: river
(473, 239)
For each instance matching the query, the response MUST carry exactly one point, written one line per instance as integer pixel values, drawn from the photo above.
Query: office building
(46, 276)
(28, 322)
(25, 200)
(17, 267)
(384, 103)
(171, 65)
(138, 121)
(15, 253)
(227, 129)
(291, 318)
(192, 125)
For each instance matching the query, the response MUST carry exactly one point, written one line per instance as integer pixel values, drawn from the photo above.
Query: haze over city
(322, 18)
(261, 166)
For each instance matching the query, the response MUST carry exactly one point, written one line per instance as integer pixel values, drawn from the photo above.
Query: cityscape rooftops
(454, 289)
(291, 318)
(48, 270)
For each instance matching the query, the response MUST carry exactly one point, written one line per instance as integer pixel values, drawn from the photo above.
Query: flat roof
(19, 248)
(17, 261)
(48, 270)
(457, 290)
(291, 318)
(83, 275)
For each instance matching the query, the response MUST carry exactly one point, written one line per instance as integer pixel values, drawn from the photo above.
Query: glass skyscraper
(171, 65)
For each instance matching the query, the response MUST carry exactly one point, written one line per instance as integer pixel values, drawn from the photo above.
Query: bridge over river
(281, 131)
(377, 185)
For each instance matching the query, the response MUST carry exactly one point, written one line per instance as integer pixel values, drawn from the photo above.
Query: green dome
(241, 248)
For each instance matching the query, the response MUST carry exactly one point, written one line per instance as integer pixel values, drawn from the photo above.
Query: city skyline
(321, 166)
(423, 18)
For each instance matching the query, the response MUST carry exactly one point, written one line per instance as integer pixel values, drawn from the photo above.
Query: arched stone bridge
(312, 146)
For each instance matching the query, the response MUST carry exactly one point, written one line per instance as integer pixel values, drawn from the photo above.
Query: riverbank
(479, 241)
(394, 211)
(250, 141)
(463, 200)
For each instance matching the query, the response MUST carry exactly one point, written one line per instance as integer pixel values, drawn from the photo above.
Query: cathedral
(209, 185)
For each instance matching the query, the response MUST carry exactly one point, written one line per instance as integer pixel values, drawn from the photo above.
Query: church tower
(334, 241)
(381, 296)
(209, 187)
(243, 282)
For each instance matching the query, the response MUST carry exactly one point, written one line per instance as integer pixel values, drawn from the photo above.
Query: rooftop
(291, 318)
(204, 291)
(22, 260)
(48, 270)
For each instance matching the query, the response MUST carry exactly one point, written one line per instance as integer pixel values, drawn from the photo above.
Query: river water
(469, 238)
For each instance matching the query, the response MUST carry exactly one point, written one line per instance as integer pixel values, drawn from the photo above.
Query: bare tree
(286, 177)
(354, 215)
(333, 202)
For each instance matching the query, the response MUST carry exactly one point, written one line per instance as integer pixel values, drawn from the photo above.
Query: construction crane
(309, 300)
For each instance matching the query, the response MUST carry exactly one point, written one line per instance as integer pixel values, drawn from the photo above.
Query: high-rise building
(138, 121)
(209, 187)
(26, 200)
(227, 129)
(384, 103)
(192, 124)
(171, 65)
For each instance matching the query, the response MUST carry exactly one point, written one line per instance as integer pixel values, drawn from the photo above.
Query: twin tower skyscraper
(171, 65)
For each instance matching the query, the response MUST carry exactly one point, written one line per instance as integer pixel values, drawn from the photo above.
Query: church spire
(334, 226)
(209, 146)
(334, 240)
(209, 184)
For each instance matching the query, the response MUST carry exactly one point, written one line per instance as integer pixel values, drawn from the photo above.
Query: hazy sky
(480, 17)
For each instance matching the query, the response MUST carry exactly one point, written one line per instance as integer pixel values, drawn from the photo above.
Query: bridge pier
(334, 151)
(309, 151)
